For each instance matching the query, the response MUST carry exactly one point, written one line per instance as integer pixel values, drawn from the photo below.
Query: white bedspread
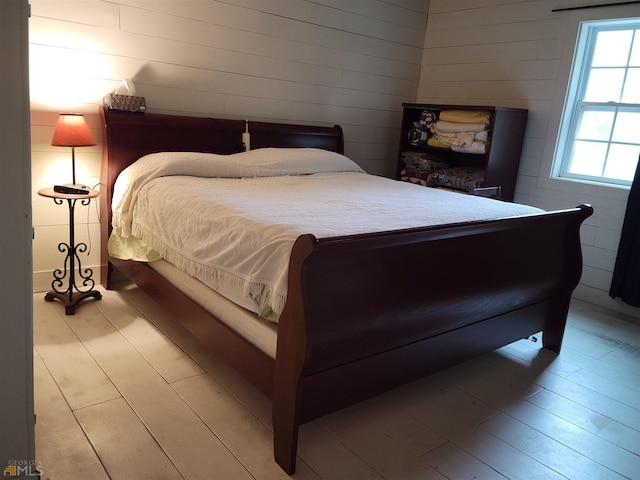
(236, 234)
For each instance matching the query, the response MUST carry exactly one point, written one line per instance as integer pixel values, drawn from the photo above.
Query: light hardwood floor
(122, 392)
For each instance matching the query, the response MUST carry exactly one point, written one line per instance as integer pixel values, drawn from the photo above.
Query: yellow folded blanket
(434, 142)
(465, 116)
(457, 127)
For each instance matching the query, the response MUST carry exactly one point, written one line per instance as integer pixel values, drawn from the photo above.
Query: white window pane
(595, 125)
(635, 53)
(622, 161)
(627, 127)
(612, 49)
(588, 158)
(605, 85)
(632, 86)
(599, 136)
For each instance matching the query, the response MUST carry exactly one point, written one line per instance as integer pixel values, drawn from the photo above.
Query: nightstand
(72, 272)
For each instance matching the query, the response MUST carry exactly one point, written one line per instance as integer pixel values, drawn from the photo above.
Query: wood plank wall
(323, 62)
(327, 61)
(518, 53)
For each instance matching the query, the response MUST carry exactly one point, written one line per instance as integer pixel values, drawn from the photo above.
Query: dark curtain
(626, 274)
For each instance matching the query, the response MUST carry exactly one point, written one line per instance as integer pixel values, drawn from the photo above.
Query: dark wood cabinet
(494, 155)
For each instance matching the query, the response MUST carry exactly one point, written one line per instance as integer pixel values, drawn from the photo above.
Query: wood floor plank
(587, 345)
(595, 330)
(455, 463)
(329, 458)
(625, 363)
(63, 450)
(590, 398)
(510, 380)
(587, 397)
(582, 441)
(78, 376)
(474, 440)
(382, 452)
(470, 407)
(238, 386)
(163, 354)
(397, 424)
(518, 413)
(123, 443)
(249, 440)
(545, 449)
(562, 365)
(194, 449)
(597, 321)
(608, 385)
(615, 382)
(604, 427)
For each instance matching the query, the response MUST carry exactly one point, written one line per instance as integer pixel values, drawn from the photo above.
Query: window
(599, 138)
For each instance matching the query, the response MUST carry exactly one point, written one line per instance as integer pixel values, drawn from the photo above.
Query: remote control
(70, 190)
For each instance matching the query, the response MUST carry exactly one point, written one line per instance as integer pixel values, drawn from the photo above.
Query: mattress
(260, 332)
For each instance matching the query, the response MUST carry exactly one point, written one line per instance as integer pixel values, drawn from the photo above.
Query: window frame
(575, 106)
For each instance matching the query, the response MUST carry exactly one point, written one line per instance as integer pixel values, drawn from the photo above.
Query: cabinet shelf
(498, 150)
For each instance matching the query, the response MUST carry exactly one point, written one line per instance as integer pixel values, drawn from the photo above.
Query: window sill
(586, 188)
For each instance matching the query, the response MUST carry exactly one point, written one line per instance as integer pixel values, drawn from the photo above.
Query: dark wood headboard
(128, 136)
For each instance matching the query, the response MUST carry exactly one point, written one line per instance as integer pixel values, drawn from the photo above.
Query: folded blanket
(465, 116)
(452, 127)
(459, 134)
(415, 176)
(481, 136)
(422, 161)
(461, 139)
(459, 178)
(435, 143)
(476, 147)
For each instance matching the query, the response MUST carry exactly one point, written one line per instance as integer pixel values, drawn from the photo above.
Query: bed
(405, 302)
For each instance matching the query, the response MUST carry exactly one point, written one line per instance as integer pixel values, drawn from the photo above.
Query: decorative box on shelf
(128, 103)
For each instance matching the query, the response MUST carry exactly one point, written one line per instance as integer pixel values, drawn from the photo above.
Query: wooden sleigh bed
(404, 304)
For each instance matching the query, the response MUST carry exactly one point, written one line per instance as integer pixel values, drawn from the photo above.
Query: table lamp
(72, 131)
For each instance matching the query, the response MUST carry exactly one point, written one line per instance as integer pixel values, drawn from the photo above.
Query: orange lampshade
(72, 131)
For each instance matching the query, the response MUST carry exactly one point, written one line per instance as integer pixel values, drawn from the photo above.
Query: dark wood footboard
(371, 312)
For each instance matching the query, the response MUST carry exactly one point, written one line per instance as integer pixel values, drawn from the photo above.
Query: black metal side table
(74, 293)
